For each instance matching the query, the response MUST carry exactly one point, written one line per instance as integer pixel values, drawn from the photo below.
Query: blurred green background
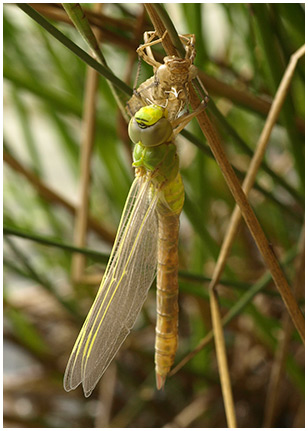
(242, 50)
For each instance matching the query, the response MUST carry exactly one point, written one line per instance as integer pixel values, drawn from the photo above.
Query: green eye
(150, 136)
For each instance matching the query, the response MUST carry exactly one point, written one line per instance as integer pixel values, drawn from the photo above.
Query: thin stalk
(95, 255)
(222, 360)
(77, 15)
(167, 25)
(107, 389)
(87, 142)
(79, 19)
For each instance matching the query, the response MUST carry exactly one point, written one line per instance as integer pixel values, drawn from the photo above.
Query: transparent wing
(123, 290)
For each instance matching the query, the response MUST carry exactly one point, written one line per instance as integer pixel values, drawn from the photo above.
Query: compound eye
(134, 131)
(156, 134)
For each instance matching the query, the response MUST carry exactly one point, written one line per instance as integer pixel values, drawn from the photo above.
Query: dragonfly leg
(180, 123)
(148, 41)
(199, 87)
(145, 50)
(189, 41)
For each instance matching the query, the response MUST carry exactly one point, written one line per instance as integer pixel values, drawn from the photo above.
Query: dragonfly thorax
(154, 149)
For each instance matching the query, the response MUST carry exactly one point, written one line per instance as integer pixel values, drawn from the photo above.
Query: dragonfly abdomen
(167, 296)
(167, 279)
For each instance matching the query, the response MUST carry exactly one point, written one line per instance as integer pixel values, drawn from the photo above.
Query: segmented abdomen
(167, 280)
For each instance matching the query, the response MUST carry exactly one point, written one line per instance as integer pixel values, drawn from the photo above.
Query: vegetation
(63, 130)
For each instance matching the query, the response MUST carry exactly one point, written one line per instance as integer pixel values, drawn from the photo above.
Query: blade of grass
(95, 255)
(78, 17)
(102, 70)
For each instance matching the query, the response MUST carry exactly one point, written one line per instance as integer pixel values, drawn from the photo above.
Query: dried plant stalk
(224, 374)
(88, 132)
(88, 136)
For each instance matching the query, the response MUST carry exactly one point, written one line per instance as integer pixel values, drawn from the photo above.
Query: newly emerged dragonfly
(146, 243)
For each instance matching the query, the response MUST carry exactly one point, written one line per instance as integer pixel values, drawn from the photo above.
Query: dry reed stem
(222, 360)
(190, 413)
(255, 163)
(51, 196)
(272, 396)
(87, 141)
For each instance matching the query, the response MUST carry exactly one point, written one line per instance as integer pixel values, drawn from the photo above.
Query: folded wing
(123, 290)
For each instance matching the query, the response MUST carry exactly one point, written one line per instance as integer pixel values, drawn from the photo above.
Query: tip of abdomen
(160, 381)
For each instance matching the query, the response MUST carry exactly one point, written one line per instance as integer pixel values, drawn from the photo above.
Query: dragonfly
(146, 245)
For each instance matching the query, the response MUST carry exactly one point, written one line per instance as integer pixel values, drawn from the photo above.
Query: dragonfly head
(150, 126)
